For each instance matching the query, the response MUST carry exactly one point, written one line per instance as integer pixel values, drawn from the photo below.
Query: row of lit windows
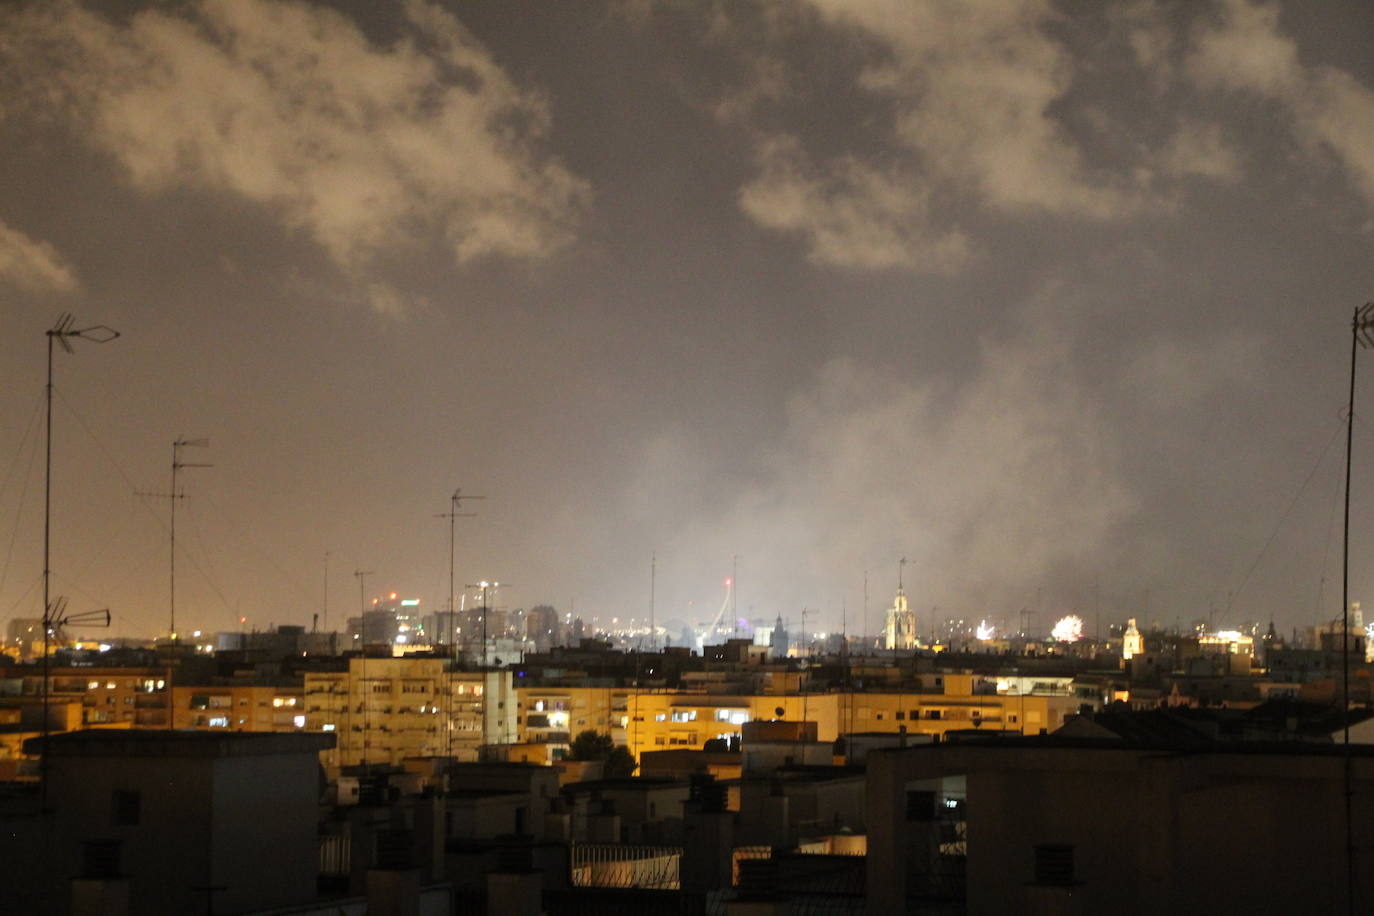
(148, 686)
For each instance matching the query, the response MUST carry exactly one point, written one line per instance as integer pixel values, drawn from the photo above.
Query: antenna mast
(452, 514)
(361, 576)
(173, 495)
(62, 332)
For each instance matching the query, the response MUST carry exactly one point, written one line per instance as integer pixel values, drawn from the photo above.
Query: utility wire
(263, 553)
(23, 493)
(1283, 518)
(133, 486)
(211, 576)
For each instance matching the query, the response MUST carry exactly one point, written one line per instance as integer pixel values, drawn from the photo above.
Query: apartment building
(941, 703)
(552, 716)
(136, 697)
(239, 707)
(384, 710)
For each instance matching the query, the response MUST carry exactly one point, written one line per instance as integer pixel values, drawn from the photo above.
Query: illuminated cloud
(973, 86)
(984, 484)
(852, 214)
(368, 148)
(1202, 150)
(32, 264)
(964, 96)
(1244, 50)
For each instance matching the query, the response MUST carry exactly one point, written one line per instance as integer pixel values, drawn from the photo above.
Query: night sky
(1052, 299)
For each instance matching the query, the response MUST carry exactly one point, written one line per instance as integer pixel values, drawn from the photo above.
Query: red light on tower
(729, 581)
(243, 620)
(393, 596)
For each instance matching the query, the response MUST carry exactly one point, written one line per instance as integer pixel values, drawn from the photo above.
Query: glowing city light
(1068, 629)
(985, 631)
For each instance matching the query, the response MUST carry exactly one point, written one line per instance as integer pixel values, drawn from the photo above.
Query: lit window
(299, 721)
(327, 727)
(219, 721)
(93, 685)
(109, 685)
(661, 717)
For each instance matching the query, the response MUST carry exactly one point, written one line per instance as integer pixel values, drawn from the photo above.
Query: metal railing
(625, 865)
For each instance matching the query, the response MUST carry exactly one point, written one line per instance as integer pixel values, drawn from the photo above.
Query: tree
(590, 745)
(620, 763)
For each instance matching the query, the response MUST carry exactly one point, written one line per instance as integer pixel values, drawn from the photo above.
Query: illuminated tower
(777, 642)
(900, 632)
(1132, 643)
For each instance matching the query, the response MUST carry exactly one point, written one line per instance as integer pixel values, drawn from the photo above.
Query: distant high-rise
(900, 632)
(543, 628)
(389, 620)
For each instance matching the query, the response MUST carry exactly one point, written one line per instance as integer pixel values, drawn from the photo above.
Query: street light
(62, 333)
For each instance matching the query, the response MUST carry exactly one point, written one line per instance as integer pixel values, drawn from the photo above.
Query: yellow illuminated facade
(239, 708)
(553, 716)
(384, 710)
(666, 720)
(136, 697)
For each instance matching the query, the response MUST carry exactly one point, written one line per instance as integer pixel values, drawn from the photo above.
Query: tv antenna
(455, 502)
(55, 618)
(63, 333)
(173, 496)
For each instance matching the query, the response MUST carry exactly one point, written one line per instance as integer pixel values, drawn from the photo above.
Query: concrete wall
(1151, 831)
(241, 820)
(168, 852)
(265, 846)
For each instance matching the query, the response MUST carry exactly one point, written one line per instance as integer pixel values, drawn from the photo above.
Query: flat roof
(107, 742)
(1053, 743)
(629, 783)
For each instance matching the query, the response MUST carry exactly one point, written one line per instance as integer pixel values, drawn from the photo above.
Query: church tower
(1132, 643)
(900, 632)
(777, 641)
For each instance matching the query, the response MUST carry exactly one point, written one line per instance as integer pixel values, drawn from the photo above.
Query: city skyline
(1050, 299)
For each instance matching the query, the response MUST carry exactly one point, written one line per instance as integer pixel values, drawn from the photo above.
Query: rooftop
(106, 742)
